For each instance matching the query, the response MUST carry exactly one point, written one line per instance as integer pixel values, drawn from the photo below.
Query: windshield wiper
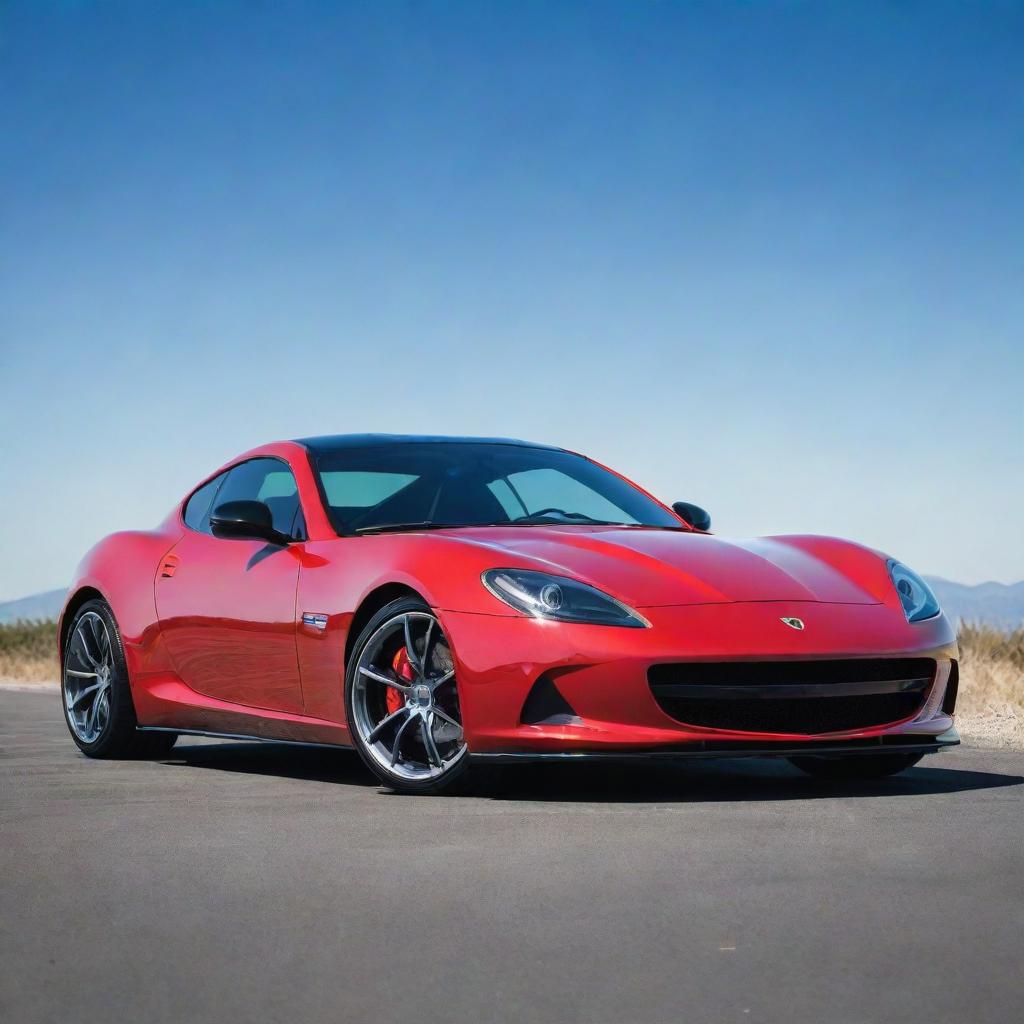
(398, 527)
(558, 517)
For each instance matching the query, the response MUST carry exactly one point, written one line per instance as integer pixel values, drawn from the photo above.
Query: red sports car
(437, 602)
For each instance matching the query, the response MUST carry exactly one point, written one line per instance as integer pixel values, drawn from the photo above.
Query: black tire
(856, 767)
(456, 775)
(119, 736)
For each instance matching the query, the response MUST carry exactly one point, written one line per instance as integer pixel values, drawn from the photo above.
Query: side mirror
(692, 514)
(245, 520)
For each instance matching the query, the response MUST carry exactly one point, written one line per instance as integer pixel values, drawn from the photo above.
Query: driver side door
(227, 605)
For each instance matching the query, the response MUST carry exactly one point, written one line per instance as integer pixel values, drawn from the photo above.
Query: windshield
(424, 485)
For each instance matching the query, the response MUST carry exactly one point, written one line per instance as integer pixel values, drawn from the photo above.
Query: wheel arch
(372, 603)
(74, 602)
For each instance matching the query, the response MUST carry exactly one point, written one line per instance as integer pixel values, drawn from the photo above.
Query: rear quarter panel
(122, 569)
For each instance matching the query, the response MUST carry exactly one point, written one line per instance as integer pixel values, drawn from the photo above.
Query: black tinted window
(465, 484)
(197, 508)
(266, 480)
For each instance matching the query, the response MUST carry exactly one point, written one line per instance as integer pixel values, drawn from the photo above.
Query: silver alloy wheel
(88, 675)
(422, 739)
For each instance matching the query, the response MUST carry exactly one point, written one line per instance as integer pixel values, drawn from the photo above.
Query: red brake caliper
(404, 670)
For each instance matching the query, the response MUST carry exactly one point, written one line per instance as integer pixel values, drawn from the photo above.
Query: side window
(197, 508)
(548, 488)
(266, 480)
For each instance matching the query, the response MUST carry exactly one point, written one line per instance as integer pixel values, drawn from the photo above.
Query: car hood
(650, 567)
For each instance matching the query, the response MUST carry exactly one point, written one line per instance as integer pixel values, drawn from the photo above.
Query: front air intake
(545, 705)
(800, 697)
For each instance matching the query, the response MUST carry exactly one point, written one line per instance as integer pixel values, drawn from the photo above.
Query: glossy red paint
(215, 641)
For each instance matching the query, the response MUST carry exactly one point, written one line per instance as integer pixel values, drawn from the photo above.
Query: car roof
(341, 442)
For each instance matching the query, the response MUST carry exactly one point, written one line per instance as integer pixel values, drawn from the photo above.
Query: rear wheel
(95, 693)
(858, 766)
(402, 701)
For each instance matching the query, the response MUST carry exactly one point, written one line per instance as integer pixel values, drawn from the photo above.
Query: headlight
(558, 598)
(915, 595)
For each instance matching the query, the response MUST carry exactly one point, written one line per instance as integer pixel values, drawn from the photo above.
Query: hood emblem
(793, 623)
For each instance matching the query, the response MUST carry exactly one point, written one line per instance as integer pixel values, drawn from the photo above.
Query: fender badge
(315, 620)
(792, 623)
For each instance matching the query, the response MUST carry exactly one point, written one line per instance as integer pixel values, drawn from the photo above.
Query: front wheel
(402, 700)
(856, 767)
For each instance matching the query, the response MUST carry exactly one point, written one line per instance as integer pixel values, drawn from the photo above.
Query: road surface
(238, 882)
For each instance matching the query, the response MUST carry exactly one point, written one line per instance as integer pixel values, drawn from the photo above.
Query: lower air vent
(803, 697)
(545, 705)
(952, 685)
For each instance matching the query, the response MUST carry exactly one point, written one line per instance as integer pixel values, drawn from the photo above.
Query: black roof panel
(340, 442)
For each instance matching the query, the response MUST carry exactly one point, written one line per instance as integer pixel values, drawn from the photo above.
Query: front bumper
(602, 673)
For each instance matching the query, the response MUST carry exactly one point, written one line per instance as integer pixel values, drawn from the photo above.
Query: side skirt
(240, 736)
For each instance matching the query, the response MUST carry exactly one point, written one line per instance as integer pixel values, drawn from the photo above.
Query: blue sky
(765, 257)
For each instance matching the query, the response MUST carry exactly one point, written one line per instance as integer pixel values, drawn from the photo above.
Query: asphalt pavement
(256, 882)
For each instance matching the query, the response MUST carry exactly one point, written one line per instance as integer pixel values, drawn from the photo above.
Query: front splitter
(898, 744)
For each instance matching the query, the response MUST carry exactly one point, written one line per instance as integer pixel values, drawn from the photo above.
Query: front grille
(803, 697)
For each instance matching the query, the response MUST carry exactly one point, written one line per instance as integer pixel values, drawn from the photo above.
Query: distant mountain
(991, 604)
(38, 606)
(994, 604)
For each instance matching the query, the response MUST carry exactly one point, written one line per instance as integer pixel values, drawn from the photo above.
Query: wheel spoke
(441, 680)
(98, 637)
(428, 739)
(83, 644)
(384, 723)
(396, 749)
(425, 657)
(378, 677)
(445, 717)
(82, 675)
(90, 717)
(410, 650)
(82, 694)
(108, 655)
(99, 634)
(100, 705)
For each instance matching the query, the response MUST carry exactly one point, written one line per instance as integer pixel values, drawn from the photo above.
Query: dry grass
(990, 710)
(28, 652)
